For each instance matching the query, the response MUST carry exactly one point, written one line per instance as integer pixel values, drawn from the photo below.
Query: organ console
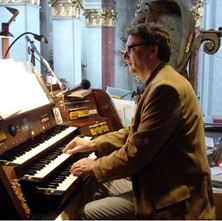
(35, 182)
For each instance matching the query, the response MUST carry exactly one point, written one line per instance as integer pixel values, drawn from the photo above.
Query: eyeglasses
(129, 47)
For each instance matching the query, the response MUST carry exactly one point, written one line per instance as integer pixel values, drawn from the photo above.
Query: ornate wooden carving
(176, 17)
(179, 20)
(211, 39)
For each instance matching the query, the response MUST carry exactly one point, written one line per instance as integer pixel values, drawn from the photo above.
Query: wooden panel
(218, 205)
(100, 107)
(5, 45)
(12, 202)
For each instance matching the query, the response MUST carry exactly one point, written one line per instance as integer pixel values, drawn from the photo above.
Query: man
(163, 150)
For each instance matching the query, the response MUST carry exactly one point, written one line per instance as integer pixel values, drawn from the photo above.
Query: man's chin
(132, 70)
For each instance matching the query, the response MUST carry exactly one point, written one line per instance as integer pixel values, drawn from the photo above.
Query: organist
(163, 151)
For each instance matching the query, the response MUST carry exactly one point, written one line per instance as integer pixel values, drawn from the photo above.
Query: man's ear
(155, 49)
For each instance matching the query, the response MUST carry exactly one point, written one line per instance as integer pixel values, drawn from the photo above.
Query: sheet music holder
(20, 90)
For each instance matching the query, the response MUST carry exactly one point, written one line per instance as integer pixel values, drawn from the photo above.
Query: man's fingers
(217, 155)
(69, 146)
(76, 169)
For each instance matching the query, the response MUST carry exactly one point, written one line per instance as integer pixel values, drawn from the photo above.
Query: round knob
(12, 129)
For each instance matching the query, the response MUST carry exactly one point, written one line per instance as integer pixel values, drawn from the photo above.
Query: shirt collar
(153, 75)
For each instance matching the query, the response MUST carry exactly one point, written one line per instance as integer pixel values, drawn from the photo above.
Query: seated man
(163, 151)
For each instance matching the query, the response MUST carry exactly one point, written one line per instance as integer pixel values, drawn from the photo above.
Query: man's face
(137, 56)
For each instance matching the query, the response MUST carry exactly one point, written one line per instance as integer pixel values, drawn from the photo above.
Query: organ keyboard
(31, 145)
(69, 179)
(33, 148)
(63, 181)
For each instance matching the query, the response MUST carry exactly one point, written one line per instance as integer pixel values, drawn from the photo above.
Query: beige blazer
(163, 151)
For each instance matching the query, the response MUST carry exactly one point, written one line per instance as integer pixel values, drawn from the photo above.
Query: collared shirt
(149, 79)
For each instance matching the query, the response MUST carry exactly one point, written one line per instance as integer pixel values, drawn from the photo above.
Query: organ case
(34, 173)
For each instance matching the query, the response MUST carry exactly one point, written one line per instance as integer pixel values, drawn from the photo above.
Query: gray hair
(153, 34)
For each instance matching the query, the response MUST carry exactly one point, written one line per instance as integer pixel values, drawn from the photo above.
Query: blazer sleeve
(158, 117)
(110, 142)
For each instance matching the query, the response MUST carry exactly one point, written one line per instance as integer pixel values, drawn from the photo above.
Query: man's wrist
(93, 146)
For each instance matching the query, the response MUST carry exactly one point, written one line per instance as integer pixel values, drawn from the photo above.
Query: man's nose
(125, 55)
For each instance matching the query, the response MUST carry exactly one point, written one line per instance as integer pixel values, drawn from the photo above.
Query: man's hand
(78, 145)
(217, 155)
(83, 166)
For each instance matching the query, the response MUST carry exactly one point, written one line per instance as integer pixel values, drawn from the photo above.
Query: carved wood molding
(34, 2)
(212, 41)
(197, 10)
(176, 17)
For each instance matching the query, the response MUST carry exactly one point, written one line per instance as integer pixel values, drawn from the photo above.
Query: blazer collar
(153, 75)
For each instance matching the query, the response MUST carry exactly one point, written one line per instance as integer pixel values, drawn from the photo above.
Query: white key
(51, 166)
(38, 149)
(65, 184)
(92, 156)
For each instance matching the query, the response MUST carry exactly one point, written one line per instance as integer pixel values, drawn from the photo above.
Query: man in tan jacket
(163, 151)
